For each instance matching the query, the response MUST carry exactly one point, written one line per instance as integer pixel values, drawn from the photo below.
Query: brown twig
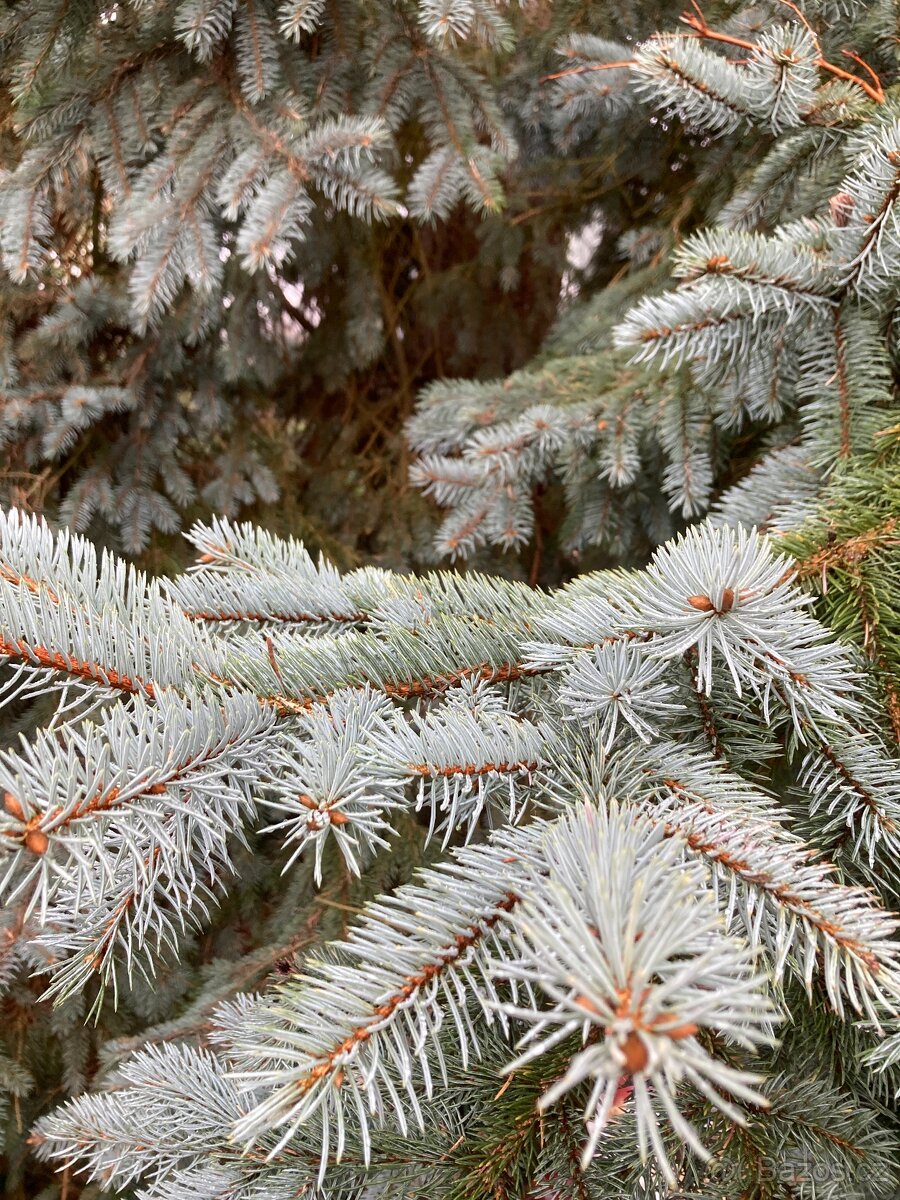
(585, 69)
(697, 22)
(845, 554)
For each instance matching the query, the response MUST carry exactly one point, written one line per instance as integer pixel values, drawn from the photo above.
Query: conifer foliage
(626, 883)
(583, 892)
(780, 328)
(180, 183)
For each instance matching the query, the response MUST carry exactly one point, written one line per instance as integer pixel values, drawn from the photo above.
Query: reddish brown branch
(868, 801)
(92, 672)
(470, 769)
(697, 22)
(31, 585)
(35, 833)
(298, 618)
(762, 879)
(446, 957)
(585, 68)
(782, 893)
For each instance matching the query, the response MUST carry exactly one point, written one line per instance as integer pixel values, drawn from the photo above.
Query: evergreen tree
(443, 885)
(767, 368)
(238, 236)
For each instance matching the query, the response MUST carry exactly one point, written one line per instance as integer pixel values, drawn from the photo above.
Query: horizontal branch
(470, 769)
(90, 672)
(36, 830)
(31, 585)
(585, 68)
(425, 686)
(297, 618)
